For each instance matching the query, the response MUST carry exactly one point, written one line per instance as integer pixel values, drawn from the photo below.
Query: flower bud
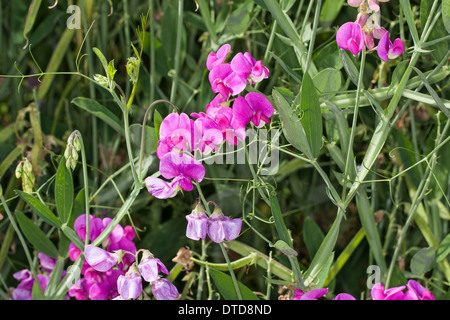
(101, 80)
(197, 223)
(150, 267)
(163, 289)
(129, 285)
(221, 227)
(132, 68)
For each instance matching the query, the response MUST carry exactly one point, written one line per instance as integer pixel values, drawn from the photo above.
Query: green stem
(349, 158)
(177, 50)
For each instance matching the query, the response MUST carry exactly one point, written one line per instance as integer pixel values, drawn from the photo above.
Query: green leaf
(444, 249)
(63, 192)
(321, 276)
(150, 138)
(102, 59)
(446, 14)
(349, 66)
(99, 111)
(40, 209)
(292, 127)
(312, 116)
(36, 236)
(225, 285)
(330, 10)
(327, 82)
(31, 17)
(312, 236)
(422, 260)
(285, 248)
(111, 70)
(240, 19)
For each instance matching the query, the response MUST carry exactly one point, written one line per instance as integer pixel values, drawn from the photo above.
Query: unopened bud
(101, 80)
(132, 68)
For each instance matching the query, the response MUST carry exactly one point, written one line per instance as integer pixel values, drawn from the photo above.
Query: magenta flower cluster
(129, 283)
(415, 291)
(354, 36)
(23, 291)
(98, 281)
(218, 227)
(181, 136)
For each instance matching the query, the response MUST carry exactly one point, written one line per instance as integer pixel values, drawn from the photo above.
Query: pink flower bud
(355, 3)
(221, 227)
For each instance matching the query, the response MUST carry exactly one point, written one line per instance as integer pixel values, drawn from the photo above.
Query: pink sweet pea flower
(99, 259)
(374, 6)
(355, 3)
(214, 59)
(221, 227)
(388, 50)
(350, 37)
(379, 293)
(207, 135)
(344, 296)
(95, 227)
(174, 132)
(310, 295)
(181, 167)
(161, 189)
(197, 227)
(248, 68)
(129, 285)
(225, 81)
(150, 267)
(417, 292)
(255, 107)
(163, 289)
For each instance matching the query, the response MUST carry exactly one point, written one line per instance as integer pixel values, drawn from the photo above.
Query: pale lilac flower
(174, 132)
(221, 227)
(248, 68)
(197, 227)
(255, 107)
(350, 37)
(150, 267)
(99, 259)
(47, 263)
(388, 50)
(129, 285)
(214, 59)
(310, 295)
(163, 289)
(161, 189)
